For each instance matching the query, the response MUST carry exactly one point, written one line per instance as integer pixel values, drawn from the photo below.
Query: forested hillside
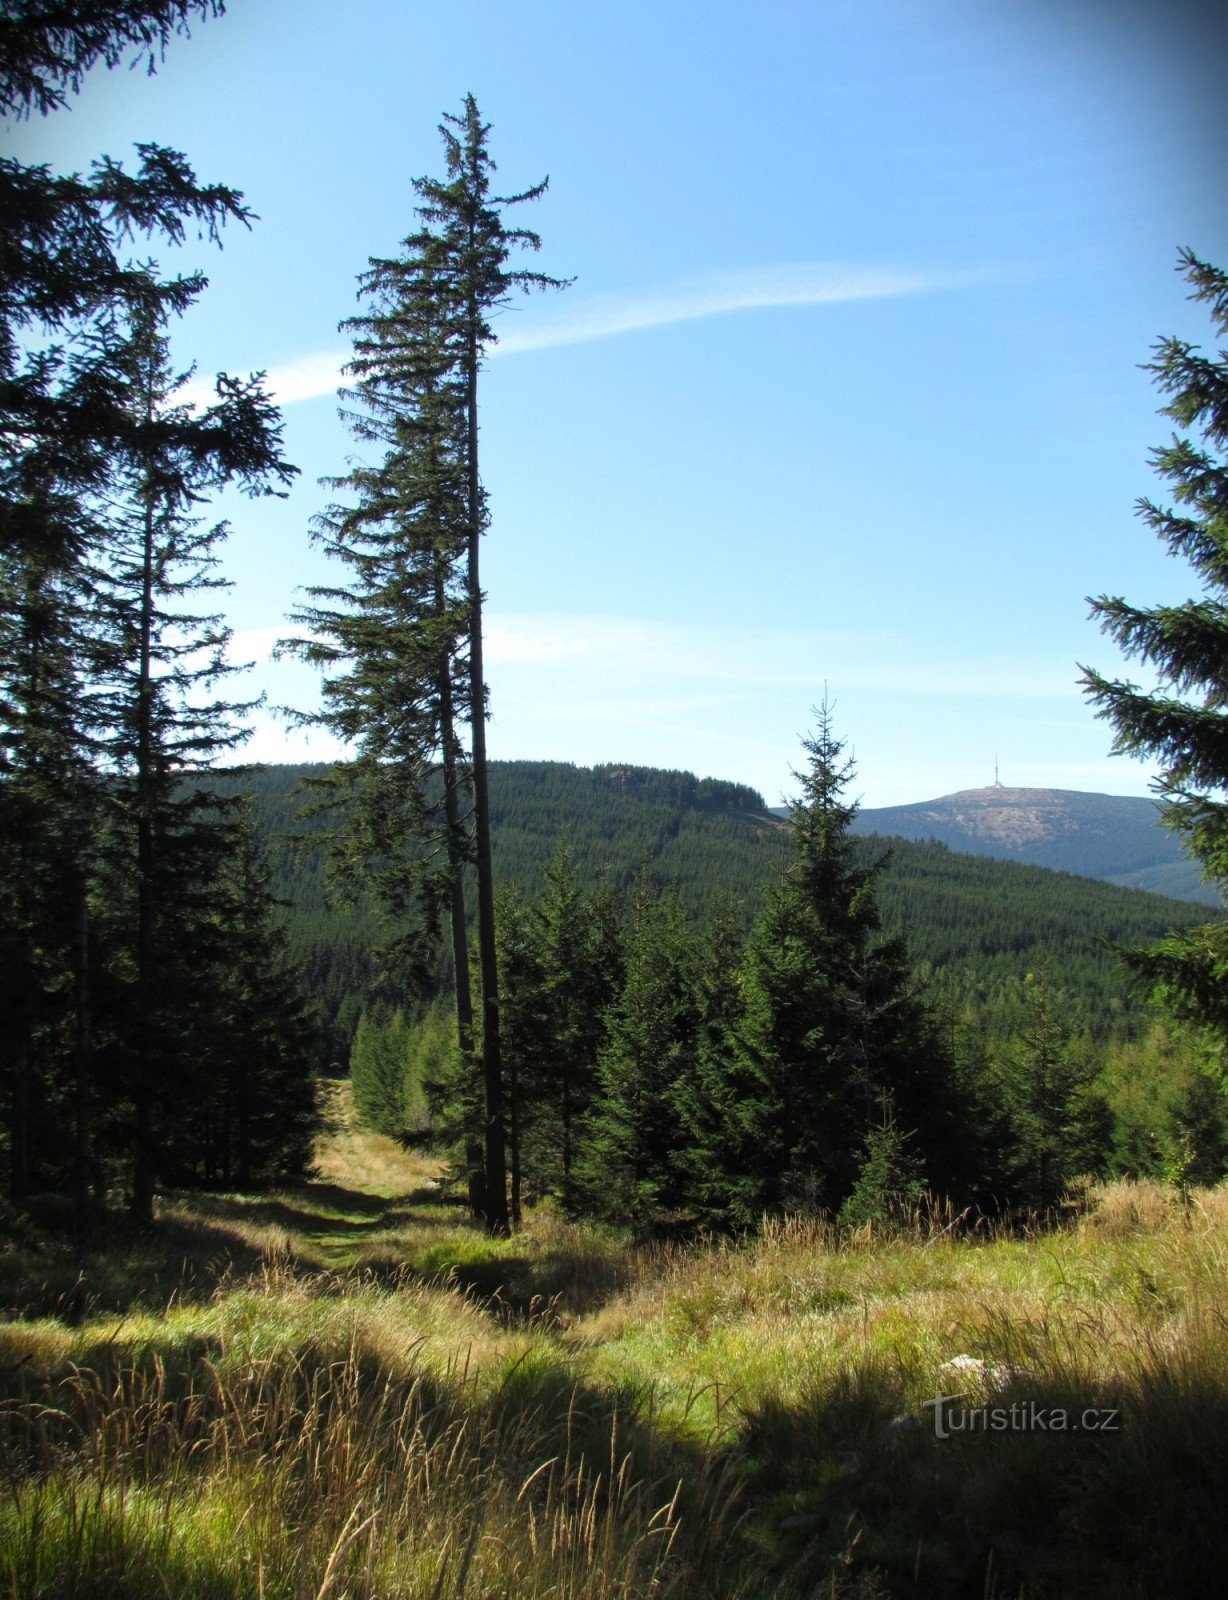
(972, 923)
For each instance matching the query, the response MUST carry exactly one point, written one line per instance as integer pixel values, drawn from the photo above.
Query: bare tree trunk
(143, 1144)
(475, 1155)
(83, 1151)
(497, 1220)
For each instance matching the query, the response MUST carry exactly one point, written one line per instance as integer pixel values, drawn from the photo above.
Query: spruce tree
(631, 1166)
(1054, 1117)
(709, 1099)
(47, 47)
(1183, 721)
(49, 796)
(526, 1030)
(582, 972)
(560, 970)
(72, 436)
(262, 1097)
(378, 1061)
(476, 248)
(832, 1021)
(393, 639)
(889, 1184)
(418, 357)
(67, 282)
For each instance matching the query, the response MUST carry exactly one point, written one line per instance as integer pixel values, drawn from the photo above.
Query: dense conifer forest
(974, 926)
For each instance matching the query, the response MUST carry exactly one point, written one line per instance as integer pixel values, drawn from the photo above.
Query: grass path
(350, 1157)
(363, 1182)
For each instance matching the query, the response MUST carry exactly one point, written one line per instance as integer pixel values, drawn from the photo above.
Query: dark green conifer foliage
(890, 1184)
(1198, 1147)
(163, 662)
(476, 249)
(418, 357)
(1056, 1120)
(582, 967)
(526, 1026)
(97, 465)
(262, 1105)
(710, 1099)
(832, 1022)
(1183, 722)
(66, 284)
(400, 630)
(1168, 1109)
(378, 1063)
(630, 1167)
(48, 800)
(559, 972)
(47, 46)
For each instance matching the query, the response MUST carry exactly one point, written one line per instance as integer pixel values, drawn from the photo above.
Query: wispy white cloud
(734, 701)
(605, 316)
(718, 294)
(595, 654)
(307, 378)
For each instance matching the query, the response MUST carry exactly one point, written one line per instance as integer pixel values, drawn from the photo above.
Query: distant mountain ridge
(1117, 838)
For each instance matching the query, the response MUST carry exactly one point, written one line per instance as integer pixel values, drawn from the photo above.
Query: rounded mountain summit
(1118, 838)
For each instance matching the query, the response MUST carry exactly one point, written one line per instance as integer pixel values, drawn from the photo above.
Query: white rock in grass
(992, 1372)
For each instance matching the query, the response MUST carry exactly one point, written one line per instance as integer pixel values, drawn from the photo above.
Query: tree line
(975, 926)
(153, 1031)
(672, 1072)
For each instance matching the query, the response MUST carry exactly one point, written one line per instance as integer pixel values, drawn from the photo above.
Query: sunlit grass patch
(298, 1471)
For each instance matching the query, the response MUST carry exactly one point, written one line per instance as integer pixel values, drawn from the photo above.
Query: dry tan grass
(1129, 1207)
(354, 1158)
(335, 1434)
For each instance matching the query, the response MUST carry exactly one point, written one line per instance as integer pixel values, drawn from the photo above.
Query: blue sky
(846, 391)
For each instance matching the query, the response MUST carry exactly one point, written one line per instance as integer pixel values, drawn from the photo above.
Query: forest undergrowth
(345, 1389)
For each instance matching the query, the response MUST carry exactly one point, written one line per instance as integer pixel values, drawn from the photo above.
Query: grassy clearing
(346, 1390)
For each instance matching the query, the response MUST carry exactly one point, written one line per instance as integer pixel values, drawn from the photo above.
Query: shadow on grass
(559, 1282)
(846, 1489)
(850, 1477)
(198, 1239)
(553, 1445)
(320, 1208)
(119, 1266)
(201, 1239)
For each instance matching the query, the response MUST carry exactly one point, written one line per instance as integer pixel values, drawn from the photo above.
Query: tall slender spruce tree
(410, 624)
(394, 639)
(476, 250)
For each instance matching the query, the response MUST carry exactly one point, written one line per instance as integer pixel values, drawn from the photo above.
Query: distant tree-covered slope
(1114, 837)
(975, 923)
(715, 839)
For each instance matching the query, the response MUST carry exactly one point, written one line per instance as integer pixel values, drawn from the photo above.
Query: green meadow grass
(345, 1390)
